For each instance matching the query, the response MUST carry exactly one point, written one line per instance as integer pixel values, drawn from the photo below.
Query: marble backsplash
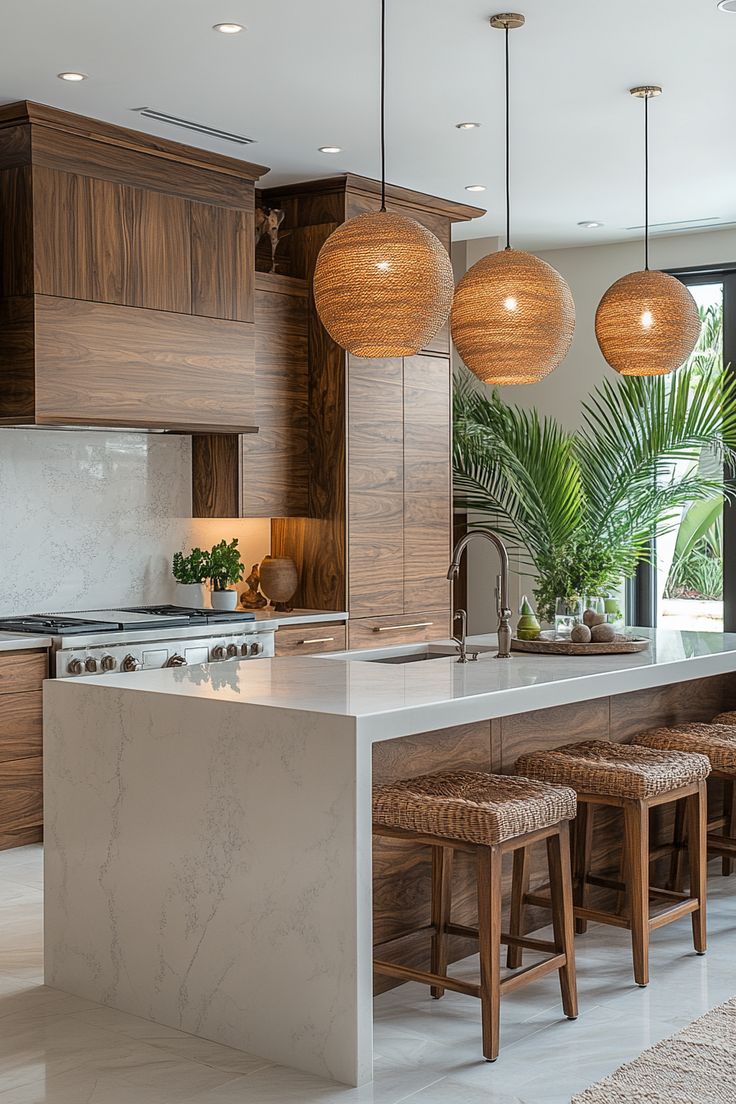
(91, 519)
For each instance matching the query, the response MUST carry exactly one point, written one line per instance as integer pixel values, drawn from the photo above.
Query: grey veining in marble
(92, 519)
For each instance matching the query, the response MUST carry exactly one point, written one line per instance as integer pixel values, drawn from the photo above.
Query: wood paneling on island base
(402, 872)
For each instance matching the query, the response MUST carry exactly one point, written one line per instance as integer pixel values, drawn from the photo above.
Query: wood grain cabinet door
(223, 262)
(427, 483)
(161, 263)
(82, 236)
(375, 486)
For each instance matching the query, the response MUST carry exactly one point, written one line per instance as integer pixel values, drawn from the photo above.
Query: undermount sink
(412, 657)
(419, 653)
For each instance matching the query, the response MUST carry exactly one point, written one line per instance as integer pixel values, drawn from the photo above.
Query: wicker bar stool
(634, 779)
(717, 741)
(487, 815)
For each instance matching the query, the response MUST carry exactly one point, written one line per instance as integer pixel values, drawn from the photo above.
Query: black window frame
(641, 591)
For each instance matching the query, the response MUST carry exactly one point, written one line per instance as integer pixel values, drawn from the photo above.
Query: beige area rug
(696, 1066)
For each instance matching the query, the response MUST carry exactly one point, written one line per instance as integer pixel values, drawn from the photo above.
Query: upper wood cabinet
(399, 490)
(264, 474)
(148, 247)
(377, 539)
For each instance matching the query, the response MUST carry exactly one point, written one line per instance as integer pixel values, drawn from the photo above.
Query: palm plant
(582, 508)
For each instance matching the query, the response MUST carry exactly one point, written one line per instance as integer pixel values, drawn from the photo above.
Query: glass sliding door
(691, 581)
(689, 558)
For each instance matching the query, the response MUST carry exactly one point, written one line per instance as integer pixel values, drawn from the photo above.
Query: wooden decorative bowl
(545, 644)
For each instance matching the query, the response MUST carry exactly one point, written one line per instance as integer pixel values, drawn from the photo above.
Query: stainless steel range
(141, 637)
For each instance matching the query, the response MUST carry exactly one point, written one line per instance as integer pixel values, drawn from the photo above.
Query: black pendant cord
(383, 105)
(508, 143)
(646, 183)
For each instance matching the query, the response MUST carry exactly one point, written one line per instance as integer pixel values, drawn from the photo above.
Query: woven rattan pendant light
(647, 323)
(383, 283)
(513, 315)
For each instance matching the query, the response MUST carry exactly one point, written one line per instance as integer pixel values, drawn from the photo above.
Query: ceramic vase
(279, 580)
(191, 595)
(224, 599)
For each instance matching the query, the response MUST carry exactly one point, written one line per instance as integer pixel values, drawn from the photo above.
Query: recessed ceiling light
(330, 149)
(590, 224)
(72, 76)
(467, 126)
(727, 5)
(475, 187)
(228, 28)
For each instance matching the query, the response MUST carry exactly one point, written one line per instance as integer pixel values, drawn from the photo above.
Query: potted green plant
(225, 569)
(191, 573)
(582, 508)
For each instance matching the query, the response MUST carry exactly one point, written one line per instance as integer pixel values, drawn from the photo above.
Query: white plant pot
(224, 599)
(191, 595)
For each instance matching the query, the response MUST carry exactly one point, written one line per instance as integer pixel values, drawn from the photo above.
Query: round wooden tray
(545, 644)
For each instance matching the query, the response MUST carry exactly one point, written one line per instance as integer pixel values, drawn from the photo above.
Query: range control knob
(176, 661)
(256, 649)
(130, 663)
(90, 664)
(219, 652)
(245, 649)
(232, 650)
(75, 667)
(108, 663)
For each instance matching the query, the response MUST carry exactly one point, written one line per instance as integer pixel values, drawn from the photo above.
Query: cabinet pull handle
(395, 628)
(317, 640)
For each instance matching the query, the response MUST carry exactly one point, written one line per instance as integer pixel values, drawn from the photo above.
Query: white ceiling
(304, 74)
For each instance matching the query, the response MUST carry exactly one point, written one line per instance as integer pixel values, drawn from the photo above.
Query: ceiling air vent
(682, 227)
(199, 128)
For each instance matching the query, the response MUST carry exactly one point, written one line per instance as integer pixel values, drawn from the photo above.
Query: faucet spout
(502, 584)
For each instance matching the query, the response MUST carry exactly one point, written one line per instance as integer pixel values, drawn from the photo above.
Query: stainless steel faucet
(461, 615)
(502, 588)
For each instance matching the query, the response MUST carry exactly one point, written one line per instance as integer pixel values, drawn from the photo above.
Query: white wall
(92, 519)
(589, 270)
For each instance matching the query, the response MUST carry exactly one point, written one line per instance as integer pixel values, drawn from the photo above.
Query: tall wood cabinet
(126, 277)
(377, 537)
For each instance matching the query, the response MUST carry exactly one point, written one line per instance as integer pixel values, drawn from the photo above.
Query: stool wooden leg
(583, 848)
(636, 841)
(489, 931)
(560, 881)
(678, 841)
(519, 890)
(729, 812)
(697, 825)
(441, 903)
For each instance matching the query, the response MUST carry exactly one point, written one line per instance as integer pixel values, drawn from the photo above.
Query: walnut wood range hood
(126, 278)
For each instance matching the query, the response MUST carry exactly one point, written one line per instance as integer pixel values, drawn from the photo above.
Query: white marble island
(208, 829)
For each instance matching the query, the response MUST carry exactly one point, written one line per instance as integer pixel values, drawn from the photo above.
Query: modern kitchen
(367, 530)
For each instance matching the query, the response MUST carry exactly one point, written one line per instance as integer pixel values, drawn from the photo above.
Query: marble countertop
(398, 700)
(22, 642)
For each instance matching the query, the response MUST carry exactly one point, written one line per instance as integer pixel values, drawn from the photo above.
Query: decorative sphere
(603, 634)
(512, 318)
(647, 324)
(383, 285)
(580, 634)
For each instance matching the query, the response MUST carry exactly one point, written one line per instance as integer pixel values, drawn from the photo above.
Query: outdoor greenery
(697, 566)
(583, 507)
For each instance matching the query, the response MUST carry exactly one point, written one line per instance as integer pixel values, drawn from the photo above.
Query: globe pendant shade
(647, 324)
(512, 318)
(383, 285)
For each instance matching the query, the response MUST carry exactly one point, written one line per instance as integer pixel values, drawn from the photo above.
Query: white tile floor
(58, 1049)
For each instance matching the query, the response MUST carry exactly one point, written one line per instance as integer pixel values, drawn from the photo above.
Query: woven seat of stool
(615, 770)
(717, 741)
(728, 718)
(472, 806)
